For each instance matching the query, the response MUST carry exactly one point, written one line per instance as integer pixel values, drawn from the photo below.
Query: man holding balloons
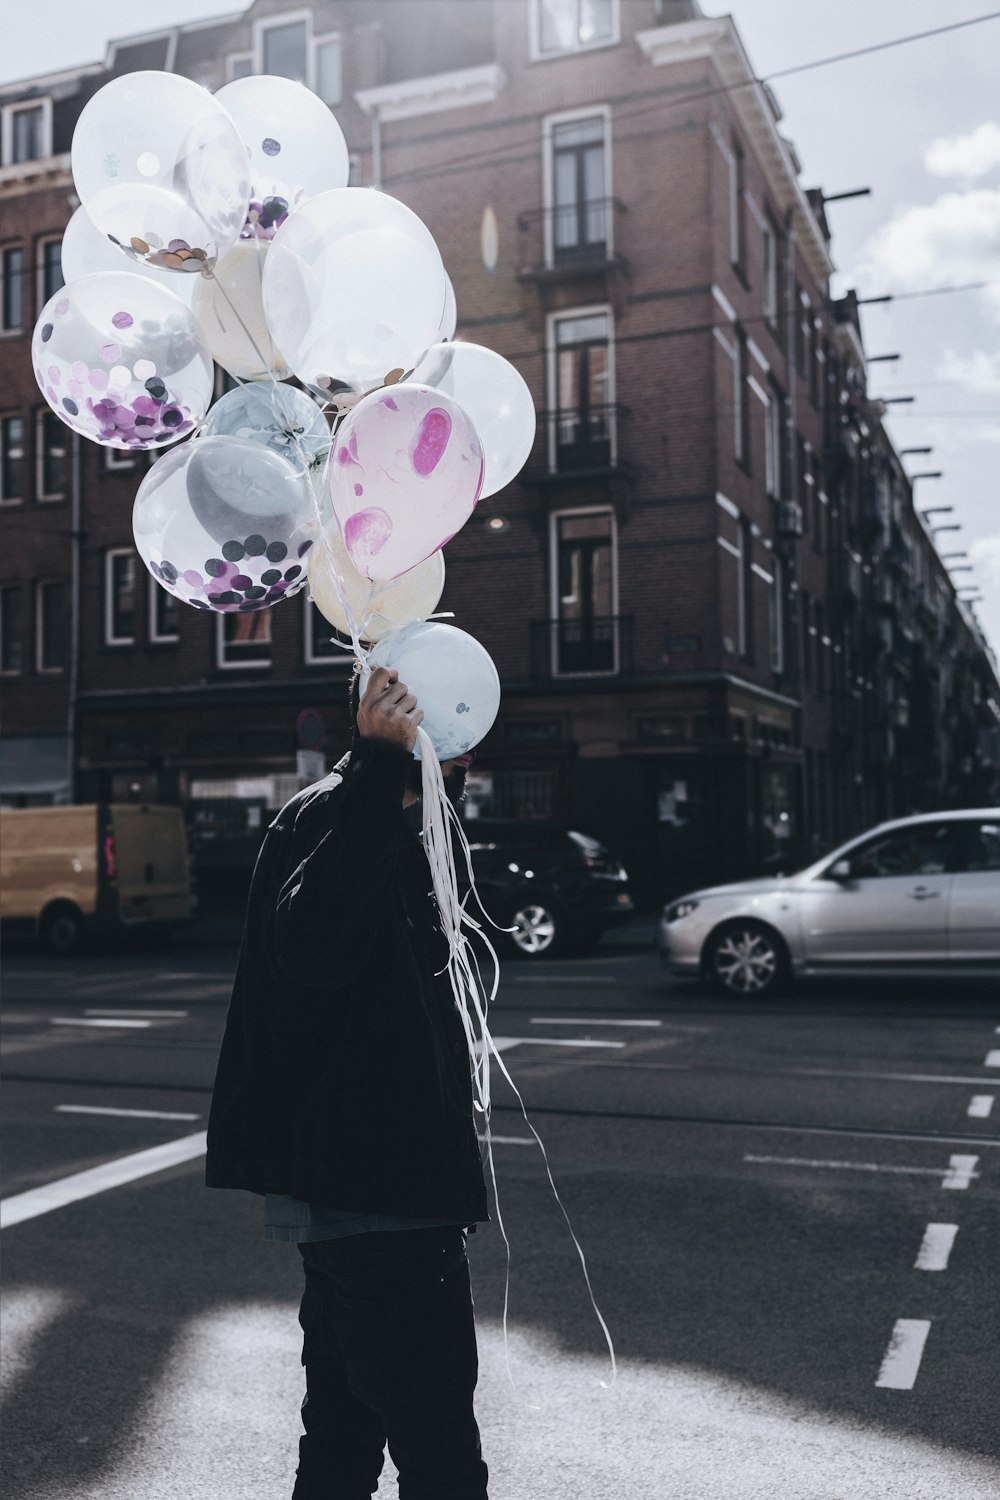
(344, 1095)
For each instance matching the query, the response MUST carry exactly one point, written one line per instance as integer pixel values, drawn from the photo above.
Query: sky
(919, 124)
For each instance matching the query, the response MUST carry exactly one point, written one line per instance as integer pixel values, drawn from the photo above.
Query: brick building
(723, 631)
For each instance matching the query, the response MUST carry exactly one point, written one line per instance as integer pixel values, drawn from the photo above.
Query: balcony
(584, 449)
(596, 646)
(570, 242)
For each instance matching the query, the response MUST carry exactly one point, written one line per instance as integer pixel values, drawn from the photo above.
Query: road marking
(42, 1200)
(590, 1021)
(935, 1247)
(903, 1356)
(961, 1171)
(95, 1021)
(507, 1140)
(177, 1015)
(980, 1106)
(129, 1114)
(561, 978)
(958, 1174)
(505, 1043)
(992, 1059)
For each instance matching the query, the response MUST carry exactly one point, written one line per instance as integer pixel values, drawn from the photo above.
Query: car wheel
(538, 928)
(62, 931)
(746, 958)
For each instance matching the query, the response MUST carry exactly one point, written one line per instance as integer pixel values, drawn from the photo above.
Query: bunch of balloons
(220, 228)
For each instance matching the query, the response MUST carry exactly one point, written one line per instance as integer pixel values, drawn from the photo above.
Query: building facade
(725, 636)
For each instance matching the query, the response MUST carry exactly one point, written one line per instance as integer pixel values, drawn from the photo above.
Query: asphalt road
(790, 1212)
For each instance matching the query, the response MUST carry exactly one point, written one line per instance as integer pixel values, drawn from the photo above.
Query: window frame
(555, 616)
(564, 314)
(13, 330)
(16, 588)
(7, 130)
(5, 417)
(549, 124)
(239, 57)
(41, 584)
(41, 297)
(260, 664)
(43, 496)
(741, 405)
(777, 620)
(537, 55)
(309, 657)
(156, 638)
(110, 555)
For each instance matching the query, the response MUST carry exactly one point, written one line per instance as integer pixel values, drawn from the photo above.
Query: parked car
(75, 871)
(916, 895)
(556, 888)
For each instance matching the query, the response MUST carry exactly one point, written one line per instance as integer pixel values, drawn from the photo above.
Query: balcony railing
(574, 237)
(591, 646)
(579, 439)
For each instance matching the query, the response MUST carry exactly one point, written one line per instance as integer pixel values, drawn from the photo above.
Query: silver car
(918, 895)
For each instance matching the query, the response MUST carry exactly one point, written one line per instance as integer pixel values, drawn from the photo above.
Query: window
(238, 65)
(582, 432)
(584, 632)
(577, 174)
(737, 209)
(747, 612)
(741, 407)
(925, 849)
(11, 630)
(27, 132)
(12, 465)
(562, 26)
(771, 278)
(284, 49)
(164, 614)
(773, 425)
(51, 456)
(119, 596)
(12, 289)
(807, 633)
(50, 626)
(244, 640)
(116, 460)
(819, 616)
(328, 70)
(317, 633)
(982, 848)
(50, 276)
(778, 616)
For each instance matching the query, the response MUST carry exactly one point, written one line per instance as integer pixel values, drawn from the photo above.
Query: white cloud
(969, 155)
(953, 240)
(978, 372)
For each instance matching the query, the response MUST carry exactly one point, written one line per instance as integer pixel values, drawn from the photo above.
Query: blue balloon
(270, 412)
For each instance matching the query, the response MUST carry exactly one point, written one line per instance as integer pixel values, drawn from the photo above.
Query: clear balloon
(86, 251)
(160, 167)
(495, 396)
(375, 608)
(120, 361)
(404, 476)
(286, 420)
(294, 146)
(225, 525)
(453, 679)
(227, 304)
(354, 290)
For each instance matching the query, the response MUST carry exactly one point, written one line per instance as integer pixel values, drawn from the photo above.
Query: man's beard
(454, 782)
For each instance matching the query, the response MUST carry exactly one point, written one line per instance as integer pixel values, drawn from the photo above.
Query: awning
(34, 765)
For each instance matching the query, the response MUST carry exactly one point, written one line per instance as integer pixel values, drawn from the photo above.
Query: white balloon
(449, 317)
(159, 164)
(86, 251)
(354, 289)
(230, 315)
(294, 146)
(494, 394)
(376, 608)
(452, 678)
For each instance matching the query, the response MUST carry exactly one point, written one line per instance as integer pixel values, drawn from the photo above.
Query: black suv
(556, 888)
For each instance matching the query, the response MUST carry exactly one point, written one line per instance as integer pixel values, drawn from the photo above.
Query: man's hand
(389, 711)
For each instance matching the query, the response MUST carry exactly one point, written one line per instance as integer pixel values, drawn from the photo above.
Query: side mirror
(841, 871)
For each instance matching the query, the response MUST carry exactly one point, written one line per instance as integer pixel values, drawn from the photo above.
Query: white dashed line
(590, 1021)
(992, 1059)
(42, 1200)
(961, 1171)
(935, 1247)
(560, 979)
(507, 1140)
(505, 1043)
(980, 1106)
(173, 1015)
(124, 1024)
(127, 1114)
(902, 1358)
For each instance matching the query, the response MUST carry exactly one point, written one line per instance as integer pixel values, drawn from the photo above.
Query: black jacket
(344, 1076)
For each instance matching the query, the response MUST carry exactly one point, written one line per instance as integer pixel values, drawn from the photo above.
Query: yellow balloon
(377, 607)
(230, 315)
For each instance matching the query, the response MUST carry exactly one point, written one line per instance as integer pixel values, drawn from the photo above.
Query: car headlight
(680, 909)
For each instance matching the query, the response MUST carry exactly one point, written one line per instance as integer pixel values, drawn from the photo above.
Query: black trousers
(389, 1348)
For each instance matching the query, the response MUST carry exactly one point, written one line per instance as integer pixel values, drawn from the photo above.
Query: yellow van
(69, 872)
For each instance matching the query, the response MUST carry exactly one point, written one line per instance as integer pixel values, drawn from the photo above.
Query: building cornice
(718, 41)
(29, 176)
(434, 94)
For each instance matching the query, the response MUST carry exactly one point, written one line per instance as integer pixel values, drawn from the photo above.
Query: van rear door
(151, 863)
